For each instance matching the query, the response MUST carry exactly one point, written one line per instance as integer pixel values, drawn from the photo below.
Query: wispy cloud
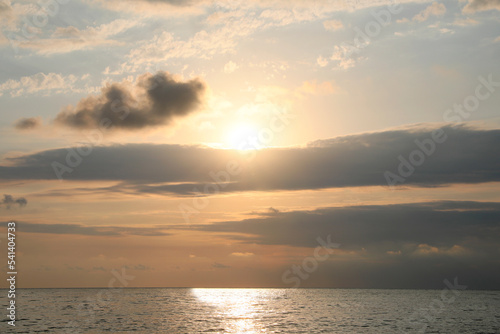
(481, 5)
(435, 9)
(40, 83)
(69, 39)
(28, 123)
(78, 229)
(333, 25)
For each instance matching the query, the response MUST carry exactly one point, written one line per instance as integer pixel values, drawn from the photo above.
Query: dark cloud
(467, 156)
(155, 100)
(414, 245)
(481, 5)
(28, 123)
(378, 228)
(9, 200)
(78, 229)
(217, 265)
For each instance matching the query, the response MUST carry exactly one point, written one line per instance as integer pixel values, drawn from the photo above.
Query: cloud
(282, 9)
(245, 254)
(228, 23)
(435, 9)
(217, 265)
(413, 245)
(319, 88)
(481, 5)
(322, 61)
(28, 123)
(204, 44)
(230, 67)
(40, 83)
(69, 39)
(347, 56)
(464, 22)
(333, 25)
(78, 229)
(467, 156)
(155, 100)
(10, 16)
(157, 7)
(376, 228)
(9, 200)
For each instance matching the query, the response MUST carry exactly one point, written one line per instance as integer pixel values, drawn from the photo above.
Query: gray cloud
(468, 156)
(9, 200)
(28, 123)
(481, 5)
(378, 228)
(78, 229)
(5, 8)
(386, 246)
(217, 265)
(155, 100)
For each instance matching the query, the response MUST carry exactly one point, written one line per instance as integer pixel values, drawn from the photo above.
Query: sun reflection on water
(238, 308)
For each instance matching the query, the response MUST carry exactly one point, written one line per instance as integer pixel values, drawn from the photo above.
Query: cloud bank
(78, 229)
(467, 156)
(376, 228)
(386, 246)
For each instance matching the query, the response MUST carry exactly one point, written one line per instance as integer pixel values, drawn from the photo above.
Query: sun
(243, 136)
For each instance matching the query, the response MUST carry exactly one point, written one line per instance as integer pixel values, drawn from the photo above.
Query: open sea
(159, 310)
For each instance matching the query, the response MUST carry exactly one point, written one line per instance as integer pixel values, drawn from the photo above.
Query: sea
(183, 310)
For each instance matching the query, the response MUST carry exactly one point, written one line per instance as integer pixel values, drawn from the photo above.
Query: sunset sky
(213, 143)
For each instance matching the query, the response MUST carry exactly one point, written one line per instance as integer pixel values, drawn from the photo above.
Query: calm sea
(254, 311)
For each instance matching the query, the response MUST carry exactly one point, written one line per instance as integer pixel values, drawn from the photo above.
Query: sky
(197, 143)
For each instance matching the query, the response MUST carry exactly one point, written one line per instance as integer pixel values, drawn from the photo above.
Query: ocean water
(254, 311)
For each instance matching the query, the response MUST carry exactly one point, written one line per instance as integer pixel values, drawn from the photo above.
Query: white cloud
(435, 9)
(481, 5)
(446, 31)
(333, 25)
(68, 39)
(245, 254)
(346, 56)
(202, 45)
(51, 83)
(463, 22)
(230, 67)
(322, 61)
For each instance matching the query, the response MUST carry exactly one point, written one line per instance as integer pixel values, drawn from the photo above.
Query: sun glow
(243, 136)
